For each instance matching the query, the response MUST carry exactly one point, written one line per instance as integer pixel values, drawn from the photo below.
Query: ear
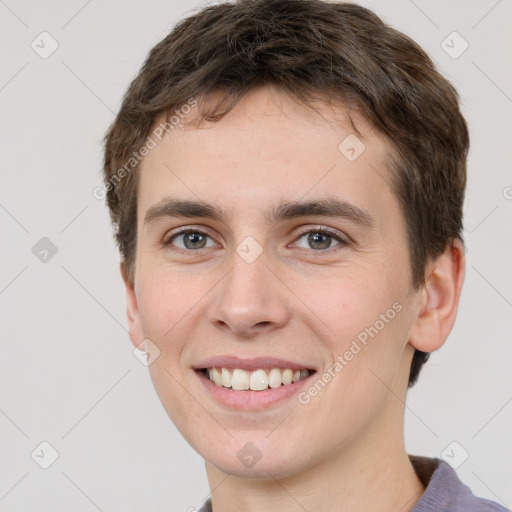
(132, 309)
(439, 299)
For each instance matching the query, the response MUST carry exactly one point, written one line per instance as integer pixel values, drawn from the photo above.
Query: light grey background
(68, 375)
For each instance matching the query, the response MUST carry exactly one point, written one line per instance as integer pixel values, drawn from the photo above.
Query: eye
(190, 239)
(321, 239)
(318, 239)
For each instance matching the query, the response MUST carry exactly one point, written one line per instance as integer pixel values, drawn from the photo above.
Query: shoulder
(444, 491)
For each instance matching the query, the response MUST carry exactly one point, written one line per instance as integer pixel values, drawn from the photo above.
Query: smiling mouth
(256, 380)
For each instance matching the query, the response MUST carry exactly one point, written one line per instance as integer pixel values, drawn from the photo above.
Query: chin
(275, 467)
(252, 456)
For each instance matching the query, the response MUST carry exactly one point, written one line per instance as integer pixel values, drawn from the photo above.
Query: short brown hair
(309, 48)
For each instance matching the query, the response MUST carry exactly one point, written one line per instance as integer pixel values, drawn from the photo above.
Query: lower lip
(248, 400)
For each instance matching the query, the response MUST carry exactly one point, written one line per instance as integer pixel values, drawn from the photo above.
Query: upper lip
(250, 363)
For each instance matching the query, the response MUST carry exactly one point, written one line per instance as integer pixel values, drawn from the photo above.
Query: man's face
(265, 282)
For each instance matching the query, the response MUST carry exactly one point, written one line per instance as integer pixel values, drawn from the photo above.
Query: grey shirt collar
(444, 492)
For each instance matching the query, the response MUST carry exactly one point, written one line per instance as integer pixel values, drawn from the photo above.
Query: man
(286, 179)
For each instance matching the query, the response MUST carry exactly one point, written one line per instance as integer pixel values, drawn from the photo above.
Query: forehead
(269, 148)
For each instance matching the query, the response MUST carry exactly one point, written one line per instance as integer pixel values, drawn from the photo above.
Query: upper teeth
(256, 380)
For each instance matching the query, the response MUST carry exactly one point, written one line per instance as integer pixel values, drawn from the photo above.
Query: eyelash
(343, 242)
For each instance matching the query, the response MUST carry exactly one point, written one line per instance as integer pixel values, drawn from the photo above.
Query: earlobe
(439, 299)
(132, 309)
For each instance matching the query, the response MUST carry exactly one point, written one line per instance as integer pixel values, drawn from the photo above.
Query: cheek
(348, 304)
(362, 322)
(166, 307)
(164, 303)
(167, 314)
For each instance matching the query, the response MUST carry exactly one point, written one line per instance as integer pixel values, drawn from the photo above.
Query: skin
(344, 450)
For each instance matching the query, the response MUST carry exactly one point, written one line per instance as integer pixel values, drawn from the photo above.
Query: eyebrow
(328, 207)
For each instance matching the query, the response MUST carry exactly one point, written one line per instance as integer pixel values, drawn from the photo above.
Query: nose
(250, 299)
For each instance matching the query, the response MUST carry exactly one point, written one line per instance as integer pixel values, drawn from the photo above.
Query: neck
(372, 473)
